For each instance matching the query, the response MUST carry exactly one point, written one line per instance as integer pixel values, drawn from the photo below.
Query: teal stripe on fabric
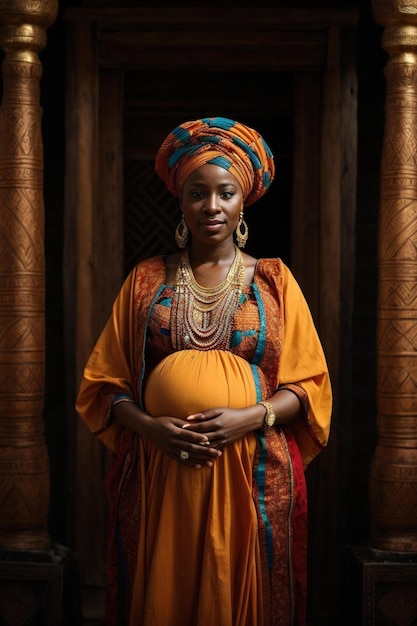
(176, 156)
(267, 148)
(219, 122)
(210, 139)
(266, 177)
(260, 472)
(236, 338)
(262, 331)
(255, 161)
(221, 161)
(144, 342)
(260, 481)
(182, 134)
(255, 374)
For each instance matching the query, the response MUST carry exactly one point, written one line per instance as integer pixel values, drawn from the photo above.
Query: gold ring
(184, 455)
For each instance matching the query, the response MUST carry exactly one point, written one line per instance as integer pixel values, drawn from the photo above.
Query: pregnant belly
(190, 381)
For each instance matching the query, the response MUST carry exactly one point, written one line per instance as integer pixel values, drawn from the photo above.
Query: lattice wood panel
(151, 214)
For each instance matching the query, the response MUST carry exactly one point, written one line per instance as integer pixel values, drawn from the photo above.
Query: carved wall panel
(151, 215)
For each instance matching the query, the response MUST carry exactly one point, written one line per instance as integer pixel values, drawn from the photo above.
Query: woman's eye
(227, 195)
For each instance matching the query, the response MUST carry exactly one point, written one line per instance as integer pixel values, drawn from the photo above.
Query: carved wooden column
(394, 469)
(24, 472)
(31, 566)
(389, 566)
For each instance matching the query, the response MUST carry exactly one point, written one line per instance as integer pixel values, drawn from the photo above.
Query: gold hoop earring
(241, 232)
(181, 234)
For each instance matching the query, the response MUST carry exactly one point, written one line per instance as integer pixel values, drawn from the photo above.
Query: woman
(210, 387)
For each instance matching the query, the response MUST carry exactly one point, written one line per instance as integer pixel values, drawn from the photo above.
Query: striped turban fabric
(219, 141)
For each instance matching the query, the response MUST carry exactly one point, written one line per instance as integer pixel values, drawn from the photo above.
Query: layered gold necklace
(202, 317)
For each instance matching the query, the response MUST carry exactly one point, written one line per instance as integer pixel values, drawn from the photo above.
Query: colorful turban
(220, 141)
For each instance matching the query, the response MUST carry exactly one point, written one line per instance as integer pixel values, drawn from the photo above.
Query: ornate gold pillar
(388, 565)
(393, 481)
(24, 468)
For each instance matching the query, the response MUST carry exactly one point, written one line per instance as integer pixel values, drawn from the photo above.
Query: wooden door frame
(102, 44)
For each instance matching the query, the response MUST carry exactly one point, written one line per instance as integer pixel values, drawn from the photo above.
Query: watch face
(270, 420)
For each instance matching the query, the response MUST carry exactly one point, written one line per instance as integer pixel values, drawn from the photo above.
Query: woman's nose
(212, 203)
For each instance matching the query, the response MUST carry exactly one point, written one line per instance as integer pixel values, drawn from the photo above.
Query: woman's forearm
(286, 407)
(131, 416)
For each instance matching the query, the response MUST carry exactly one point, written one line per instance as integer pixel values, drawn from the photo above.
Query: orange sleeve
(304, 371)
(108, 371)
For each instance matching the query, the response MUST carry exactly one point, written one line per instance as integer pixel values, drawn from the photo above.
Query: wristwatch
(270, 416)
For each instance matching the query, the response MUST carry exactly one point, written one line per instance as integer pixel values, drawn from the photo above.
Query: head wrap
(219, 141)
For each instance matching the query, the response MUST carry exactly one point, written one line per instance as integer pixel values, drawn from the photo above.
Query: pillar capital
(389, 12)
(40, 12)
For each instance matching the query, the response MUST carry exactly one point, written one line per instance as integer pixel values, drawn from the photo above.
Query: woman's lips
(213, 226)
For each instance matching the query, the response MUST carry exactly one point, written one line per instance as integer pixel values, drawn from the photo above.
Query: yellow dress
(197, 542)
(226, 545)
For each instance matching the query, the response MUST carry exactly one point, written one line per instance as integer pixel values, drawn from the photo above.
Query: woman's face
(211, 202)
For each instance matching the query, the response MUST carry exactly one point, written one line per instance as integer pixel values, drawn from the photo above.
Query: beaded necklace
(202, 317)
